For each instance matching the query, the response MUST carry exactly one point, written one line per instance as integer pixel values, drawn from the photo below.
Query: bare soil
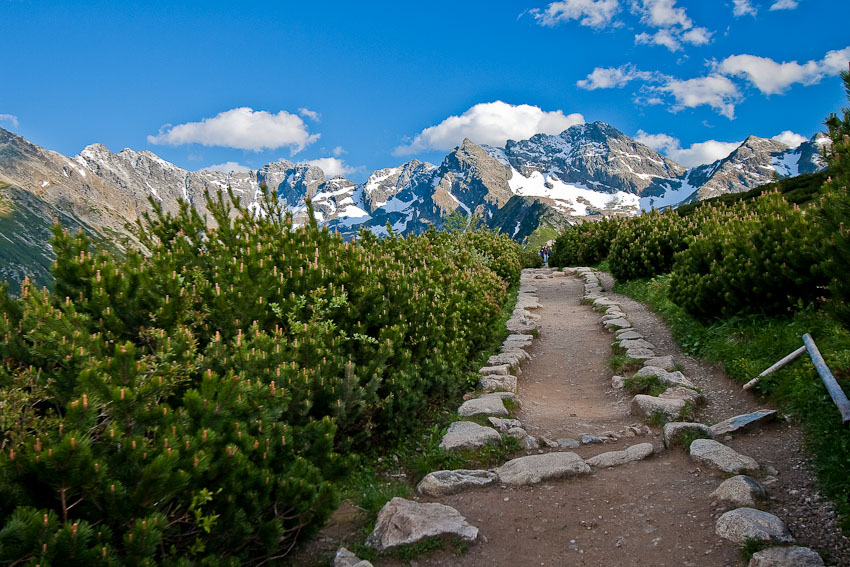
(652, 512)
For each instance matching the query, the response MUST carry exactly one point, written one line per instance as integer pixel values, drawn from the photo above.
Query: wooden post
(775, 367)
(835, 391)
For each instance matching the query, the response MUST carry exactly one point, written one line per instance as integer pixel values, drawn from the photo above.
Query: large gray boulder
(792, 556)
(718, 456)
(495, 382)
(669, 378)
(618, 323)
(616, 458)
(537, 468)
(682, 393)
(640, 353)
(647, 406)
(467, 435)
(742, 524)
(739, 491)
(674, 430)
(628, 334)
(743, 422)
(404, 522)
(344, 558)
(664, 362)
(443, 483)
(488, 404)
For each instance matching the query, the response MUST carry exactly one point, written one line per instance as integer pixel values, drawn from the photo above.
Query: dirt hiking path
(653, 512)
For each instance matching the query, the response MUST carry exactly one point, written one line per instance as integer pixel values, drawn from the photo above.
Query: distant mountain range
(549, 180)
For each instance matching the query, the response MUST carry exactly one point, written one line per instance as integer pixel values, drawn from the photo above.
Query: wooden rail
(836, 393)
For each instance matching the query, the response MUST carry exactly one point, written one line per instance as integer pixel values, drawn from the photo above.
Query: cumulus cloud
(595, 14)
(661, 13)
(790, 138)
(338, 151)
(227, 167)
(715, 91)
(491, 123)
(674, 27)
(242, 128)
(331, 166)
(10, 118)
(699, 153)
(783, 5)
(771, 77)
(743, 8)
(311, 114)
(614, 77)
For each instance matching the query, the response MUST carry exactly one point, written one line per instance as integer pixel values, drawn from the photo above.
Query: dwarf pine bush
(584, 244)
(192, 406)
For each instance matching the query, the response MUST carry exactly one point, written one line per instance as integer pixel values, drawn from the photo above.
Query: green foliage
(585, 244)
(621, 362)
(770, 251)
(689, 436)
(645, 245)
(836, 212)
(650, 385)
(747, 344)
(194, 404)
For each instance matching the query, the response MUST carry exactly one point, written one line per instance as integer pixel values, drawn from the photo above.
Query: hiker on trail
(544, 253)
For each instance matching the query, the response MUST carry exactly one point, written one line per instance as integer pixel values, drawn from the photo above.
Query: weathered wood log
(836, 393)
(775, 367)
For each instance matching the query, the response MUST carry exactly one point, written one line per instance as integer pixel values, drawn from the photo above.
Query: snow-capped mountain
(588, 170)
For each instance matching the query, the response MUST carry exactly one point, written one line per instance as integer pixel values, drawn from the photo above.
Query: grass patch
(511, 405)
(649, 385)
(746, 345)
(753, 546)
(621, 362)
(658, 419)
(689, 436)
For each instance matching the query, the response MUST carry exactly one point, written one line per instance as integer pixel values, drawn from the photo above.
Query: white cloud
(338, 151)
(490, 123)
(227, 167)
(331, 166)
(743, 8)
(596, 14)
(699, 153)
(716, 91)
(613, 77)
(783, 5)
(11, 118)
(661, 13)
(674, 27)
(241, 128)
(790, 138)
(311, 114)
(771, 77)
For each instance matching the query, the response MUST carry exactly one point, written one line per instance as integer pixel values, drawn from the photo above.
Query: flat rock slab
(344, 558)
(647, 406)
(499, 369)
(629, 335)
(404, 522)
(513, 358)
(495, 382)
(793, 556)
(640, 353)
(674, 430)
(504, 424)
(680, 393)
(742, 524)
(616, 458)
(618, 382)
(717, 455)
(605, 302)
(636, 343)
(521, 326)
(467, 435)
(443, 483)
(537, 468)
(527, 339)
(740, 491)
(617, 323)
(670, 378)
(664, 362)
(743, 422)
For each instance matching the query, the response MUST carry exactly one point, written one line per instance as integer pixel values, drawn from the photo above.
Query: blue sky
(365, 85)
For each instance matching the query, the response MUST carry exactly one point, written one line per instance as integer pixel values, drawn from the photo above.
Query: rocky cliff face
(589, 169)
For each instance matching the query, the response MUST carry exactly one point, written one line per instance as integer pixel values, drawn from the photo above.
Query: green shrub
(192, 406)
(584, 244)
(763, 260)
(645, 245)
